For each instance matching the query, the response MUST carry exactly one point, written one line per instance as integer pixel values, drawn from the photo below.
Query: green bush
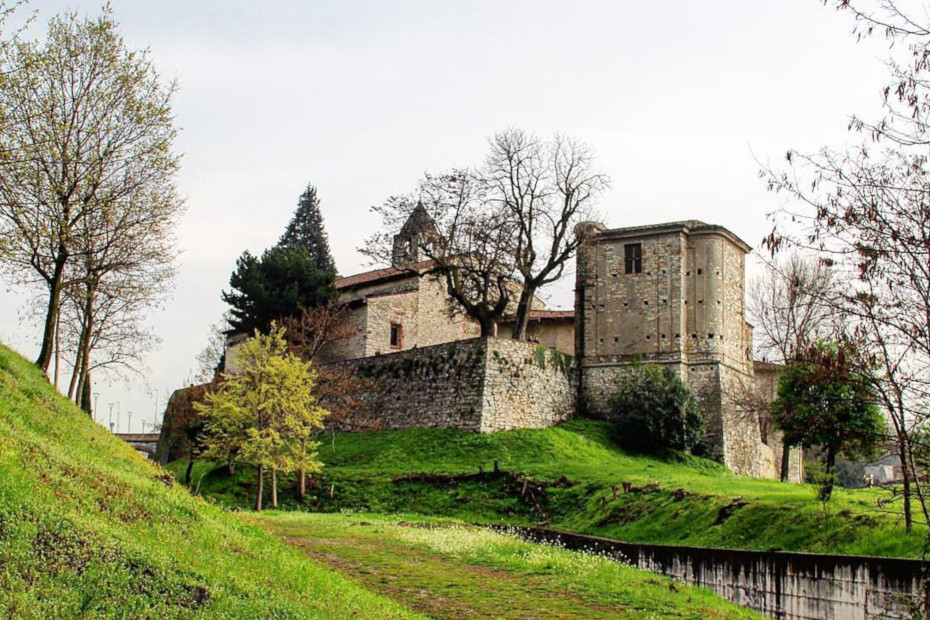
(655, 410)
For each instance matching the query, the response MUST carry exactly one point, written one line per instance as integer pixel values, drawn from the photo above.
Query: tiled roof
(386, 273)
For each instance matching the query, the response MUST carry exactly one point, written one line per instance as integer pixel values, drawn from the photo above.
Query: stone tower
(419, 229)
(671, 294)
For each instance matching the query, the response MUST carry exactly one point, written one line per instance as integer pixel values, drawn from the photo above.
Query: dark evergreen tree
(280, 284)
(305, 231)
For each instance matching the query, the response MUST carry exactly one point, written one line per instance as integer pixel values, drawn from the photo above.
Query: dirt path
(443, 585)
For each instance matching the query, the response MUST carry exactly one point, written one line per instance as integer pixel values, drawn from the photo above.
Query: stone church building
(399, 308)
(670, 294)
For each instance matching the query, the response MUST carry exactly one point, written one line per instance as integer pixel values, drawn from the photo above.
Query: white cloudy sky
(361, 97)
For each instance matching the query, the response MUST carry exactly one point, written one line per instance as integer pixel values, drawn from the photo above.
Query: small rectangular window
(396, 335)
(633, 258)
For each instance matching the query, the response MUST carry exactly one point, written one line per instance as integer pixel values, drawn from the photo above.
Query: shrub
(655, 410)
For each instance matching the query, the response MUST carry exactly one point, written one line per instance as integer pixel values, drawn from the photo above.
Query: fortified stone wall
(480, 385)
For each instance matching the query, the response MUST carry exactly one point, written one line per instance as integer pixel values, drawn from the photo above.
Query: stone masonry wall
(526, 386)
(479, 385)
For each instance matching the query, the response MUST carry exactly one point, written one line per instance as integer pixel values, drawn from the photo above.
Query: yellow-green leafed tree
(266, 413)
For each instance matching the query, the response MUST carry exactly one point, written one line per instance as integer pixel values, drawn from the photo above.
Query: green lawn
(446, 570)
(680, 499)
(89, 529)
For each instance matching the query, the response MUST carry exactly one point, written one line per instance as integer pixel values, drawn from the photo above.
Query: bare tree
(471, 249)
(791, 304)
(867, 210)
(210, 358)
(504, 230)
(88, 131)
(113, 339)
(545, 187)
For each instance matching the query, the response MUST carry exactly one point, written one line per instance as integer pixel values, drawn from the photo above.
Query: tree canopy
(655, 410)
(266, 413)
(88, 203)
(305, 231)
(824, 400)
(275, 286)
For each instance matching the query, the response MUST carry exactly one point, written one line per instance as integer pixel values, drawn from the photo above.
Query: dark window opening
(633, 258)
(700, 272)
(397, 335)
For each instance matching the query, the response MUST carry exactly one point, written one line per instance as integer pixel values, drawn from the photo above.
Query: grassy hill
(570, 472)
(88, 529)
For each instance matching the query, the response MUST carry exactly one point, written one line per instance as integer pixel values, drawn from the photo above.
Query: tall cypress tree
(305, 231)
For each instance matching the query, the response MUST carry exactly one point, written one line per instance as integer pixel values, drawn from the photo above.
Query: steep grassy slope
(678, 500)
(88, 529)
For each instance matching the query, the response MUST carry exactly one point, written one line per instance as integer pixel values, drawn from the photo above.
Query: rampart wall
(481, 385)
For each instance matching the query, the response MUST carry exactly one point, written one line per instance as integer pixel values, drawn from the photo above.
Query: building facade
(671, 294)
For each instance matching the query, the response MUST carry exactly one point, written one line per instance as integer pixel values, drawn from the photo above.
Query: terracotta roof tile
(386, 273)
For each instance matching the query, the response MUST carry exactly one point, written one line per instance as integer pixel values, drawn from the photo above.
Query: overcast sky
(360, 98)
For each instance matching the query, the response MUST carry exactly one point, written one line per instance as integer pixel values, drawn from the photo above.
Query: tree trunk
(87, 330)
(230, 468)
(906, 484)
(274, 488)
(75, 374)
(190, 466)
(917, 485)
(258, 497)
(831, 470)
(524, 306)
(302, 474)
(57, 349)
(785, 462)
(487, 326)
(86, 389)
(54, 307)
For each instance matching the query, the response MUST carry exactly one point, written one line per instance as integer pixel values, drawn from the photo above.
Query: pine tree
(305, 231)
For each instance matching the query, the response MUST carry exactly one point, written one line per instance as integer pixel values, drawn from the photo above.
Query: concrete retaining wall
(792, 586)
